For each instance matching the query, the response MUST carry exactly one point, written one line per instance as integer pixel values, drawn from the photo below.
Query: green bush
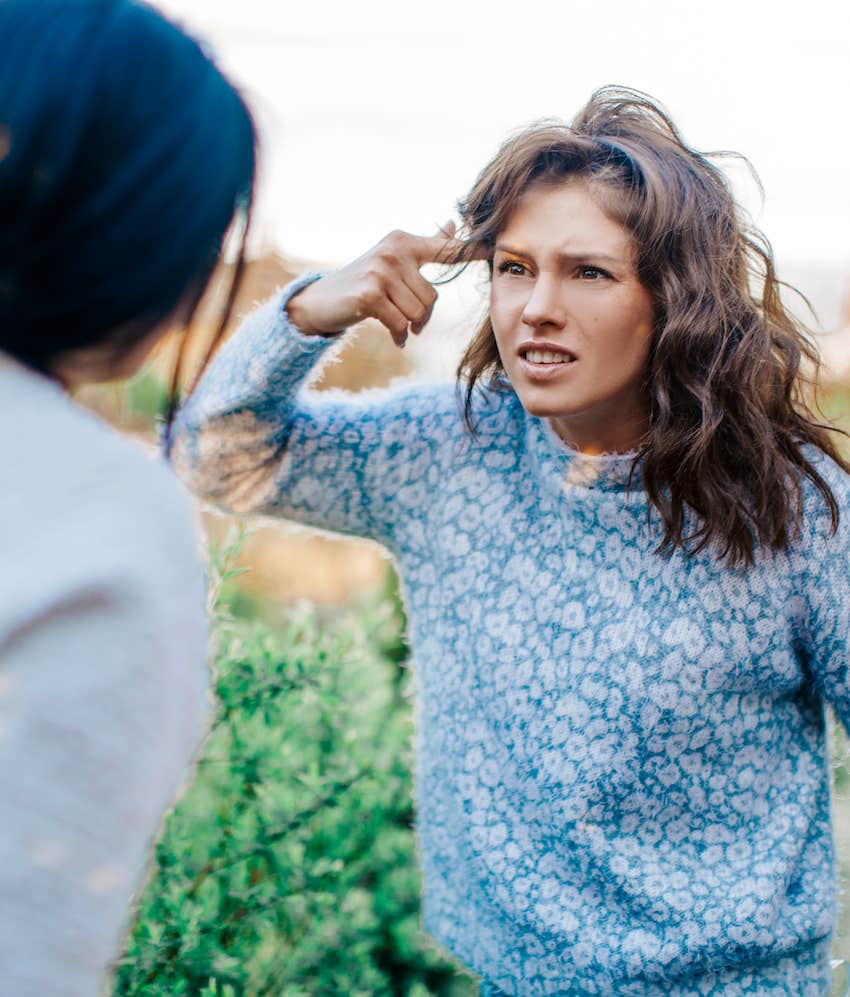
(289, 866)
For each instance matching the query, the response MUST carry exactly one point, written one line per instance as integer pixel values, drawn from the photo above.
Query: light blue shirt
(622, 781)
(103, 679)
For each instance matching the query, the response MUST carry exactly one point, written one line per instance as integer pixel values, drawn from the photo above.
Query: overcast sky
(379, 114)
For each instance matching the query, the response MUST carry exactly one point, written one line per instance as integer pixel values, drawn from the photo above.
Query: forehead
(565, 217)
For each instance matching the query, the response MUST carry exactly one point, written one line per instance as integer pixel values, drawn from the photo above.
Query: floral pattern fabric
(621, 767)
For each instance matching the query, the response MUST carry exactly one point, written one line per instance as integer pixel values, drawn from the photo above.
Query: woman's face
(572, 321)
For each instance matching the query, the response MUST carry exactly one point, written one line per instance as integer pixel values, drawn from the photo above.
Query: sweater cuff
(287, 294)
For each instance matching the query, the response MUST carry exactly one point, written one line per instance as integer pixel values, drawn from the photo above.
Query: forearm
(232, 431)
(252, 442)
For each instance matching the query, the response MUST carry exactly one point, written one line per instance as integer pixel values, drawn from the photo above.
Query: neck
(590, 438)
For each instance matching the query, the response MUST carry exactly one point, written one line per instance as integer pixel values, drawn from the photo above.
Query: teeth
(546, 356)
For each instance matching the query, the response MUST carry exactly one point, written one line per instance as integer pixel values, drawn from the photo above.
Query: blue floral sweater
(621, 769)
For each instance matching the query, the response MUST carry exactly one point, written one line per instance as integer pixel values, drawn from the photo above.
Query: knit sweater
(621, 766)
(103, 679)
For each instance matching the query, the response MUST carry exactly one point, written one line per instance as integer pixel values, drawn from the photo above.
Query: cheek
(645, 314)
(632, 328)
(637, 352)
(502, 344)
(628, 356)
(498, 318)
(505, 311)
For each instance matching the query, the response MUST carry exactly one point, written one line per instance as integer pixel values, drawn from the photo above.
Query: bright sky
(379, 114)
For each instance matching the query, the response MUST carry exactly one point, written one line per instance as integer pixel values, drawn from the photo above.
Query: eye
(593, 273)
(513, 267)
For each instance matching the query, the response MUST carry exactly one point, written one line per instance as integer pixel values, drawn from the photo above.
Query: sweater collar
(573, 470)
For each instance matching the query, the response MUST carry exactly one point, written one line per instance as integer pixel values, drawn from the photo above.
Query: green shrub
(289, 866)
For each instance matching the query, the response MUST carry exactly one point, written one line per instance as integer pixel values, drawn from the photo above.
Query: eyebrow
(588, 255)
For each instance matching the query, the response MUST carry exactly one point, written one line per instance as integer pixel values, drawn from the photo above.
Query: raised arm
(251, 440)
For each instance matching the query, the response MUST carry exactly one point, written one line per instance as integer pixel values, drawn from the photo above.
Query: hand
(384, 284)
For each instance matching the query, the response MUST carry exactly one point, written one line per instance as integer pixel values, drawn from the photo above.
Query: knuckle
(367, 296)
(393, 244)
(378, 274)
(385, 258)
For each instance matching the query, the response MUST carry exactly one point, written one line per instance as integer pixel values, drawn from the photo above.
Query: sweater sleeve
(826, 594)
(253, 439)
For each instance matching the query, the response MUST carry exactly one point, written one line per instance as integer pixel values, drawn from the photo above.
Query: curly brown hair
(729, 369)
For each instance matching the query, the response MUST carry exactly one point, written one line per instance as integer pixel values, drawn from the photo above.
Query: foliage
(289, 866)
(145, 398)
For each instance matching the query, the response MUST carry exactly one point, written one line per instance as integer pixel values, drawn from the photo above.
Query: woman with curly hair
(623, 547)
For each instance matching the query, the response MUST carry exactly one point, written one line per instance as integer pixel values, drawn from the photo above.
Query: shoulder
(819, 542)
(83, 506)
(820, 557)
(835, 475)
(496, 413)
(835, 478)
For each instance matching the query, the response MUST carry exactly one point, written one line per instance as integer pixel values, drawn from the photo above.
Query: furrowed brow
(502, 248)
(589, 254)
(571, 257)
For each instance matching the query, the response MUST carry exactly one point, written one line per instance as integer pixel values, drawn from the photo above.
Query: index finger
(443, 249)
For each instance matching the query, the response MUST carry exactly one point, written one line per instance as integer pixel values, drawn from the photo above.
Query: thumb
(447, 230)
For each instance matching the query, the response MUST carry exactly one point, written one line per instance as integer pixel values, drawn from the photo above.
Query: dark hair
(124, 156)
(729, 416)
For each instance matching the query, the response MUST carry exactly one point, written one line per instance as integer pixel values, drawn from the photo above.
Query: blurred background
(376, 116)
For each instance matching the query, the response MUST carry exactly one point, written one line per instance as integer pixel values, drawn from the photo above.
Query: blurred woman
(125, 156)
(624, 547)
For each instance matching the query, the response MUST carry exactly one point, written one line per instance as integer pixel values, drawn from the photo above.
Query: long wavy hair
(729, 369)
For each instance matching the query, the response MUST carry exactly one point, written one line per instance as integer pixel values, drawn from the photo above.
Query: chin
(544, 408)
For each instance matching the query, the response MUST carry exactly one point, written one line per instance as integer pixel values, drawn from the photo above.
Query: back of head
(124, 155)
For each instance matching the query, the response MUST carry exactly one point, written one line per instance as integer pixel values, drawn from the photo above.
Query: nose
(545, 305)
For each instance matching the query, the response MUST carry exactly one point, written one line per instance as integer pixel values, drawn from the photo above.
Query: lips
(542, 362)
(544, 354)
(546, 357)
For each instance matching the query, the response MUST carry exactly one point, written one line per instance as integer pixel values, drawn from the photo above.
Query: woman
(624, 557)
(124, 156)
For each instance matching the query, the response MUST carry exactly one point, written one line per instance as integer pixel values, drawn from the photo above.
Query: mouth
(545, 359)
